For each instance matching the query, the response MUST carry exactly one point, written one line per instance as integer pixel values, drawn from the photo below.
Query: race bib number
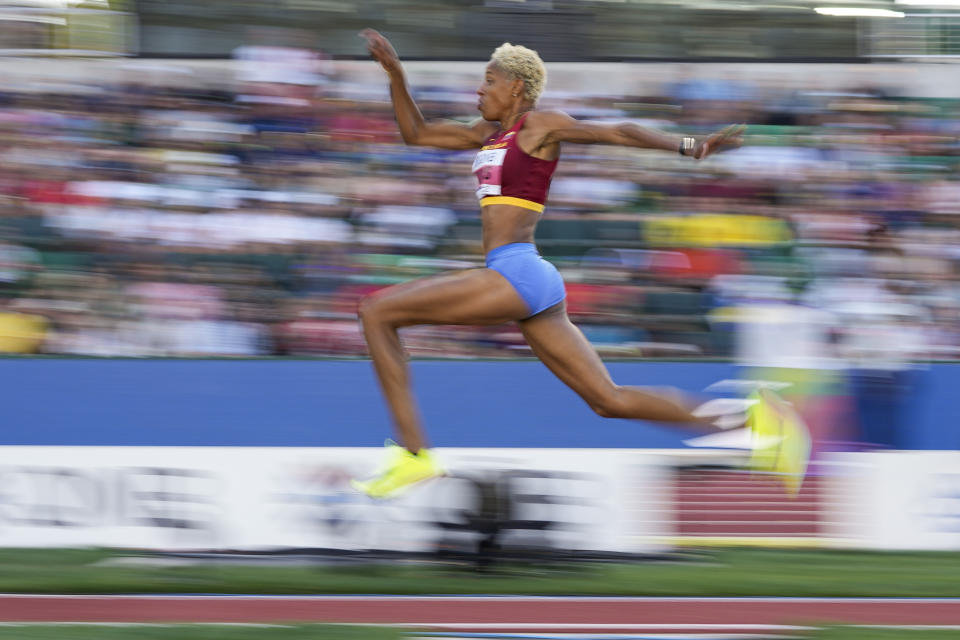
(488, 167)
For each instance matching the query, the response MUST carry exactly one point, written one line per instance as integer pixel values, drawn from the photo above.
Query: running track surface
(486, 614)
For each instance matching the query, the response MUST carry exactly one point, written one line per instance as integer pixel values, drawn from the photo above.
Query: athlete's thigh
(471, 296)
(567, 353)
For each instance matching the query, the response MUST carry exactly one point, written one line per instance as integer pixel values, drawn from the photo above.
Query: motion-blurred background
(224, 178)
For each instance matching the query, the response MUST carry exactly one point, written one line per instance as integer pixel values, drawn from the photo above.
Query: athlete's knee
(381, 309)
(611, 403)
(372, 309)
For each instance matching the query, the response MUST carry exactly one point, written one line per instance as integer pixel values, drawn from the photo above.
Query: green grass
(859, 633)
(198, 632)
(728, 572)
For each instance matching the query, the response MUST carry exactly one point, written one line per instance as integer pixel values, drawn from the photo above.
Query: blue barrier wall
(337, 403)
(316, 403)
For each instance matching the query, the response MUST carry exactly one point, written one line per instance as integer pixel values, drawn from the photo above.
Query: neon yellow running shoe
(402, 470)
(780, 439)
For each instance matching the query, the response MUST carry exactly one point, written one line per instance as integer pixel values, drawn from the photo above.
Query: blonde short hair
(525, 64)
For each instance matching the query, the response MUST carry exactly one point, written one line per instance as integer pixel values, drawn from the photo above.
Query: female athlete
(519, 147)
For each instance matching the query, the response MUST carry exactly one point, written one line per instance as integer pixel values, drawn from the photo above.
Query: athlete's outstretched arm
(560, 127)
(413, 128)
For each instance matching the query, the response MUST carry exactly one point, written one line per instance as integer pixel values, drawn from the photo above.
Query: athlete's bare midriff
(505, 223)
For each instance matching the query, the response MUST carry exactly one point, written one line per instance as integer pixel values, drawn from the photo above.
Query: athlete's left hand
(727, 138)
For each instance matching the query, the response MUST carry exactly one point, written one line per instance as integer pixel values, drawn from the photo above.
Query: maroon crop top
(508, 175)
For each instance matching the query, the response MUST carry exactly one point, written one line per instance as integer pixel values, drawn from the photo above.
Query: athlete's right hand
(381, 50)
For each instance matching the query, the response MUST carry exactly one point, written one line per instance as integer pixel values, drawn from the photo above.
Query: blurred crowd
(163, 219)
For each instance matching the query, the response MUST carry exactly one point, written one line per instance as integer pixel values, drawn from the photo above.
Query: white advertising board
(897, 500)
(191, 498)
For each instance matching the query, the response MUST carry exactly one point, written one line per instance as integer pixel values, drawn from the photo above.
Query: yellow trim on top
(517, 202)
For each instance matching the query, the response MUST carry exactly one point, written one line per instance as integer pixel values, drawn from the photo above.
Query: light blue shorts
(537, 281)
